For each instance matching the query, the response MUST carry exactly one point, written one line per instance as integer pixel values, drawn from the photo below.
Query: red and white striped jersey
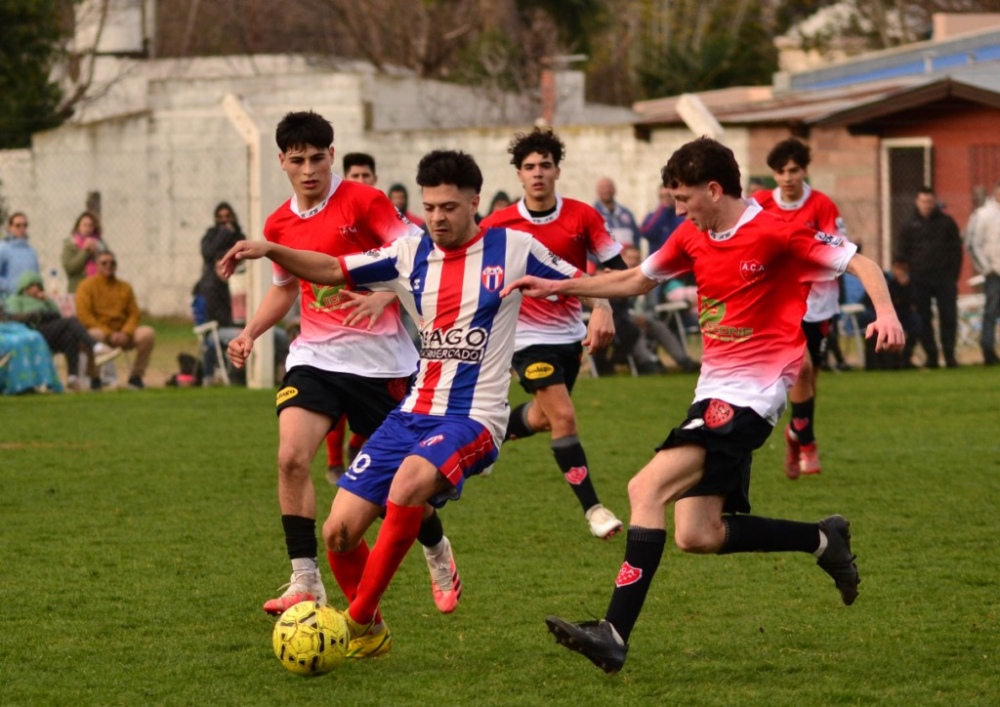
(573, 231)
(466, 329)
(817, 211)
(752, 282)
(353, 217)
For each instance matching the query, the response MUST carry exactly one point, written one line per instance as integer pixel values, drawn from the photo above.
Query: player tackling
(451, 424)
(751, 269)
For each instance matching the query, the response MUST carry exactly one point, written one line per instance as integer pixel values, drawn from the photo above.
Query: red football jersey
(817, 211)
(573, 231)
(752, 283)
(353, 217)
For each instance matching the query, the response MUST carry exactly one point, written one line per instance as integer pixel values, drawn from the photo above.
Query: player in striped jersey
(451, 424)
(334, 369)
(548, 349)
(750, 268)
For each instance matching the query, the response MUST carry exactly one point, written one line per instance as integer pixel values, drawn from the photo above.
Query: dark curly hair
(541, 140)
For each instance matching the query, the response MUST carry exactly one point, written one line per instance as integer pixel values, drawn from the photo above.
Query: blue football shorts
(458, 446)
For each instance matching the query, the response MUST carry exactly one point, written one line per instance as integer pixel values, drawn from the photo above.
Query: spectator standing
(660, 223)
(619, 220)
(983, 240)
(108, 308)
(17, 256)
(401, 200)
(80, 250)
(930, 242)
(220, 238)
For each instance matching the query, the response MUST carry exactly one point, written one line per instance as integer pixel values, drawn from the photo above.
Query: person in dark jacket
(932, 245)
(219, 238)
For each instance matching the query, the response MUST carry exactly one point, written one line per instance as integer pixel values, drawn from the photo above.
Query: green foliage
(29, 45)
(141, 536)
(723, 55)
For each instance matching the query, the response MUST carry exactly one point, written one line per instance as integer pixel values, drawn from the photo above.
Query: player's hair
(790, 150)
(926, 190)
(449, 167)
(14, 215)
(541, 140)
(358, 159)
(303, 128)
(702, 161)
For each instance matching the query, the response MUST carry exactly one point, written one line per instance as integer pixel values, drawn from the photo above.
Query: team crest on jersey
(493, 277)
(348, 229)
(327, 297)
(832, 241)
(430, 441)
(751, 270)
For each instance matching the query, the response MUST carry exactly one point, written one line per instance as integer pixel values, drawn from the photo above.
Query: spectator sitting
(80, 250)
(401, 200)
(17, 256)
(904, 302)
(213, 303)
(65, 335)
(654, 330)
(108, 308)
(25, 361)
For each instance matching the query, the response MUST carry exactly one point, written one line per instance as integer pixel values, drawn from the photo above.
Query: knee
(145, 336)
(293, 463)
(701, 540)
(338, 536)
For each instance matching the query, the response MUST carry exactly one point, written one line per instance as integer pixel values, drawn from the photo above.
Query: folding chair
(211, 330)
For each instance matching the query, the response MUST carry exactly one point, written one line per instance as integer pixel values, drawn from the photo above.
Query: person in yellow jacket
(108, 308)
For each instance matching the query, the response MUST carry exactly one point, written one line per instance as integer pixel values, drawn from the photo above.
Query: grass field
(141, 535)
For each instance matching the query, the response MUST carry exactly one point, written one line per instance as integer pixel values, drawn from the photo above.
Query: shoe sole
(564, 638)
(298, 599)
(609, 534)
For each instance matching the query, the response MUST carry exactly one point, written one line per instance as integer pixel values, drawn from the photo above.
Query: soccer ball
(310, 639)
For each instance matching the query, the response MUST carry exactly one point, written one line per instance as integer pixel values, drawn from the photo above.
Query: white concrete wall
(162, 166)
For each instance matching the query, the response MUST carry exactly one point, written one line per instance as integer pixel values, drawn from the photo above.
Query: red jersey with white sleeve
(353, 217)
(572, 231)
(467, 330)
(752, 282)
(817, 211)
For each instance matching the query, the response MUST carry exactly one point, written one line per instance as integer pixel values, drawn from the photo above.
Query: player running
(548, 350)
(451, 424)
(795, 201)
(750, 268)
(333, 369)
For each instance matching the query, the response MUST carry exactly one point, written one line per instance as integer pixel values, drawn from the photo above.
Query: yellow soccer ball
(310, 639)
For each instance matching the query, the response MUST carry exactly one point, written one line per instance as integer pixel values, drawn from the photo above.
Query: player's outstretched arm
(886, 329)
(317, 268)
(609, 284)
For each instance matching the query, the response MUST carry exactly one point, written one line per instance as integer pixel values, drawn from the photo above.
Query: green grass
(141, 534)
